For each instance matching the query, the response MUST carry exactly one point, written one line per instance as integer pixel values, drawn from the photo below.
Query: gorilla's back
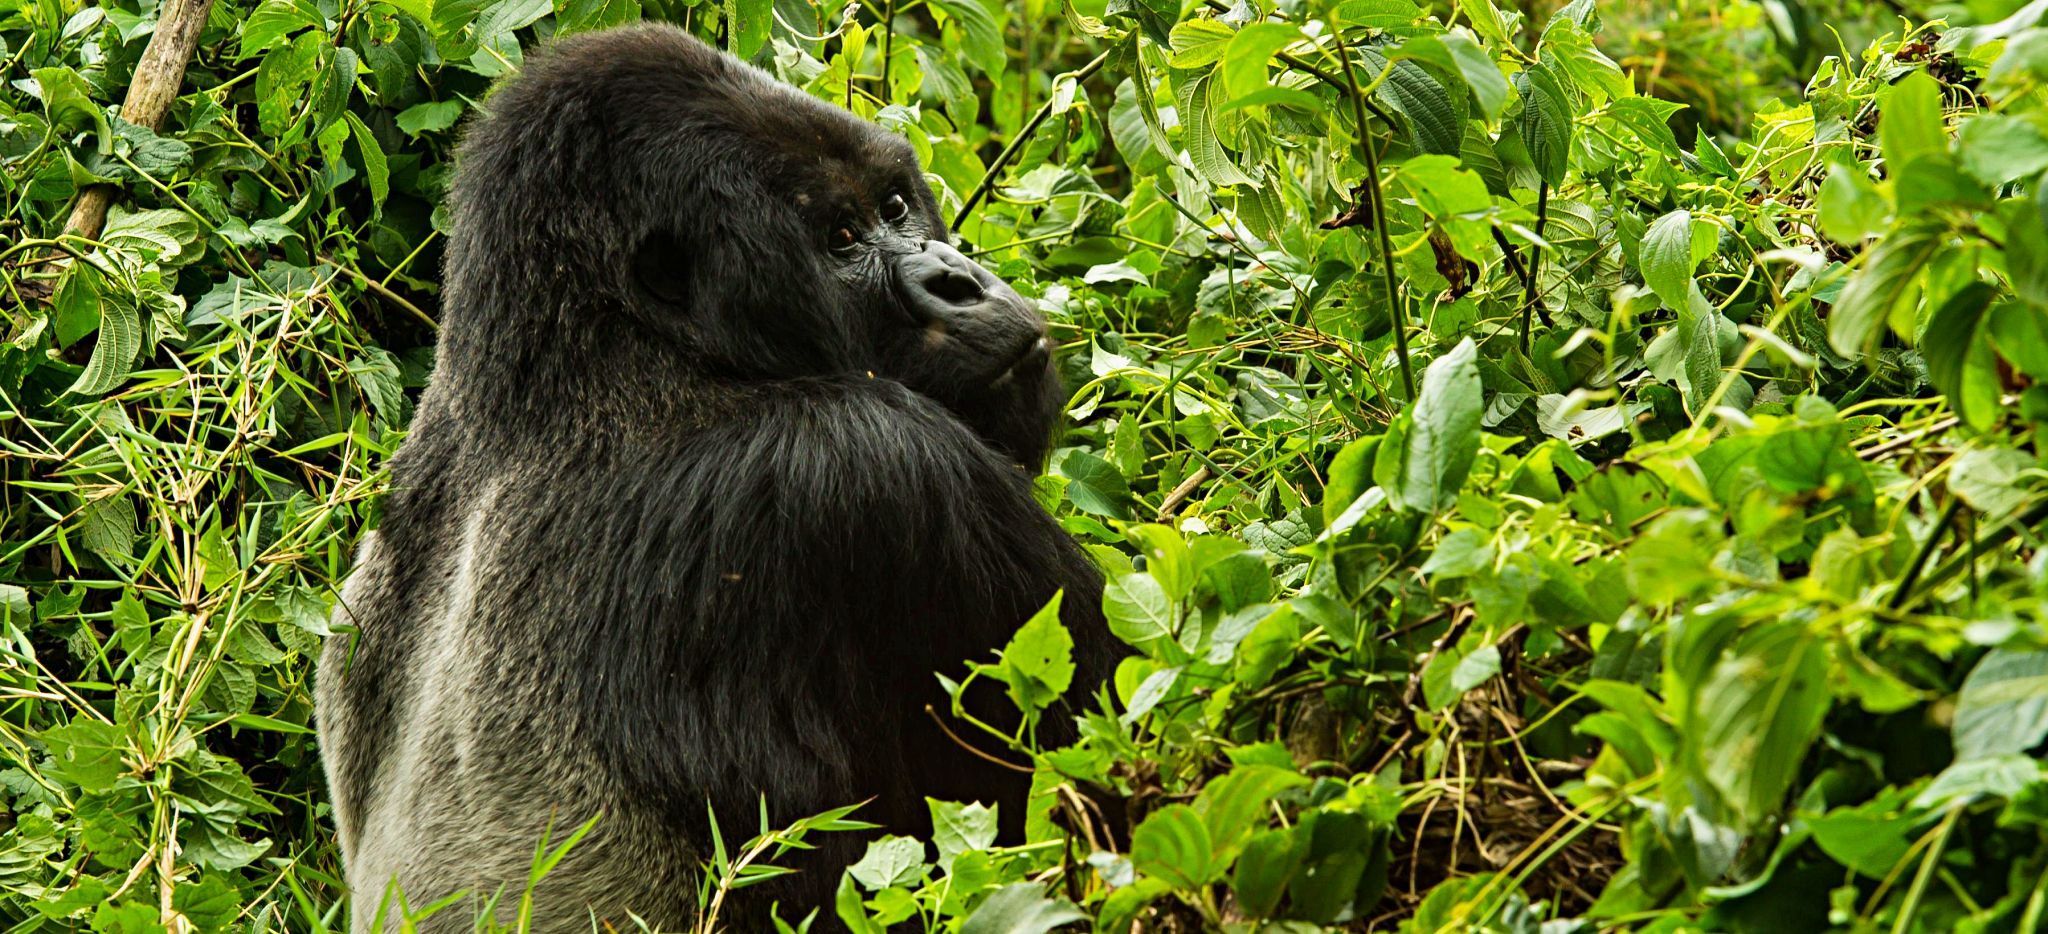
(450, 750)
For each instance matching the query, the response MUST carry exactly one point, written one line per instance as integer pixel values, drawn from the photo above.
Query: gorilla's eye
(841, 238)
(895, 209)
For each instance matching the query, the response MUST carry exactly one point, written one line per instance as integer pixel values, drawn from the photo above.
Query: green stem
(1376, 203)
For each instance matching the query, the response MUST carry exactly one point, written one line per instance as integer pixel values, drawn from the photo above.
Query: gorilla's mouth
(1028, 362)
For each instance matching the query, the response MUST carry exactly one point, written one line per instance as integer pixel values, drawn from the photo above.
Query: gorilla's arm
(790, 581)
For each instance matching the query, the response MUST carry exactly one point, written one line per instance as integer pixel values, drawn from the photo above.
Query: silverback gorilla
(721, 459)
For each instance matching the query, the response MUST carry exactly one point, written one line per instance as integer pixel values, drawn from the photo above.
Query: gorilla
(726, 451)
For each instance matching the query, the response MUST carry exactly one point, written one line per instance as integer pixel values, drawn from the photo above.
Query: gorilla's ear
(660, 268)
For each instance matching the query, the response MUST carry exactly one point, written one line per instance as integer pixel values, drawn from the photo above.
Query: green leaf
(430, 117)
(889, 861)
(1955, 351)
(1851, 208)
(119, 341)
(1138, 610)
(1436, 120)
(1375, 14)
(1244, 64)
(573, 16)
(1173, 845)
(2020, 332)
(1545, 122)
(1095, 486)
(1166, 558)
(1892, 272)
(421, 10)
(1480, 72)
(1667, 258)
(1758, 710)
(959, 828)
(67, 100)
(1234, 806)
(981, 36)
(2003, 706)
(1999, 148)
(1198, 43)
(1269, 860)
(375, 167)
(1440, 435)
(1910, 123)
(1198, 103)
(273, 20)
(1021, 908)
(1038, 663)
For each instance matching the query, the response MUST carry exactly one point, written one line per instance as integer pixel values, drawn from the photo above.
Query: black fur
(698, 499)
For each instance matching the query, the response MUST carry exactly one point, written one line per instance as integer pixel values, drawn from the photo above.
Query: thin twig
(970, 747)
(995, 169)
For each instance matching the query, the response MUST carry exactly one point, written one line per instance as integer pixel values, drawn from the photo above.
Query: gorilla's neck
(563, 378)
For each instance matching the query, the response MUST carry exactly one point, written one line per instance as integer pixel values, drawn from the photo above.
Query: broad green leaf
(1173, 845)
(1956, 351)
(429, 117)
(1756, 713)
(1021, 908)
(1199, 42)
(1545, 122)
(1375, 14)
(889, 861)
(1424, 472)
(1480, 72)
(273, 20)
(1138, 610)
(1999, 148)
(1270, 858)
(120, 338)
(1094, 485)
(1910, 123)
(2003, 706)
(1891, 273)
(1038, 662)
(981, 35)
(958, 828)
(1851, 208)
(67, 99)
(1234, 806)
(1436, 119)
(1667, 258)
(1198, 101)
(1244, 64)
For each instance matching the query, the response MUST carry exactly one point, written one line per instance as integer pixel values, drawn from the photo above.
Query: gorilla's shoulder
(641, 57)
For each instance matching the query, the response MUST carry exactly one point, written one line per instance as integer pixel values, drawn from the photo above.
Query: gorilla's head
(637, 190)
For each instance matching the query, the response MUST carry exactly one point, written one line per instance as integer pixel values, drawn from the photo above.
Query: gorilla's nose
(941, 272)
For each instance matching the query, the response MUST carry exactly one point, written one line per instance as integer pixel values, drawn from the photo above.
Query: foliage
(1528, 499)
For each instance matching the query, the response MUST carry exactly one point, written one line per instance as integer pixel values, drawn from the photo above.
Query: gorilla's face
(802, 241)
(933, 319)
(746, 230)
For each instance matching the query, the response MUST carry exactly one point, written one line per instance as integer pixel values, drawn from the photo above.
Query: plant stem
(995, 169)
(1912, 575)
(1529, 294)
(1376, 203)
(888, 47)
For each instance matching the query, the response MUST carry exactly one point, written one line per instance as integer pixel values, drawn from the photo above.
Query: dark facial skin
(938, 322)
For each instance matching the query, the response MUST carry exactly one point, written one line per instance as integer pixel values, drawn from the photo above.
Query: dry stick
(1024, 133)
(150, 93)
(1182, 492)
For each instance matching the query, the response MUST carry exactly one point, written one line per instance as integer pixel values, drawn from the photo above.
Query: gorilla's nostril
(955, 287)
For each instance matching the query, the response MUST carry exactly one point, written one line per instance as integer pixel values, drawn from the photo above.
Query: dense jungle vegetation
(1558, 467)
